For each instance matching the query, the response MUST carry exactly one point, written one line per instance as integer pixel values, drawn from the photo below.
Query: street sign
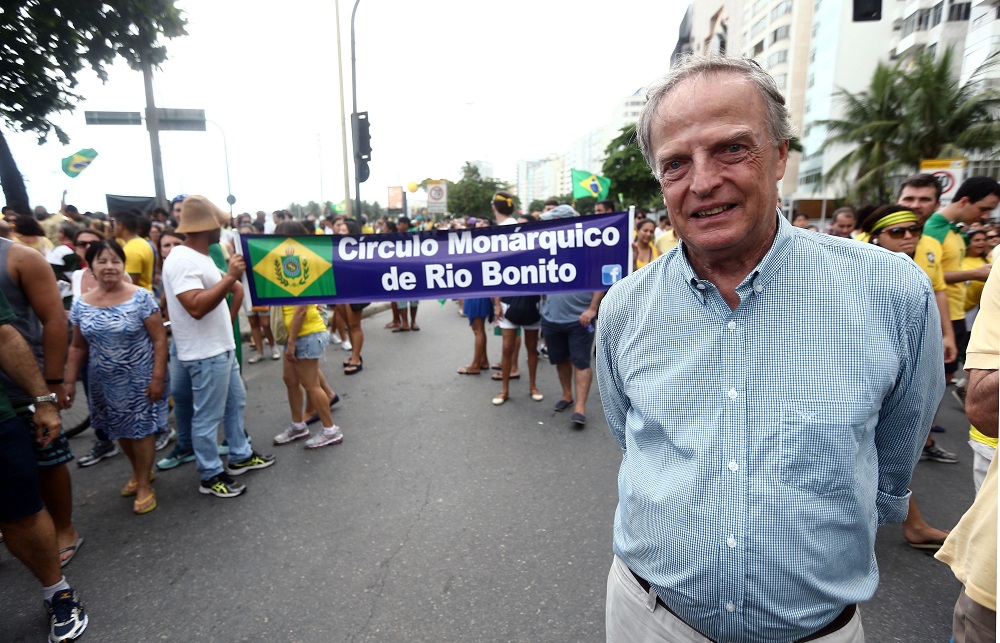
(437, 198)
(113, 118)
(950, 173)
(192, 120)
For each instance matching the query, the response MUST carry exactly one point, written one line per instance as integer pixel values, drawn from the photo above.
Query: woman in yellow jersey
(307, 340)
(643, 250)
(975, 256)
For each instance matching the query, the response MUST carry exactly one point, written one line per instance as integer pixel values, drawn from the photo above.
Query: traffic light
(360, 128)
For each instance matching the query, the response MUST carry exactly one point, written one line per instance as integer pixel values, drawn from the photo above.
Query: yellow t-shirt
(666, 242)
(313, 323)
(971, 547)
(973, 289)
(653, 254)
(927, 255)
(953, 252)
(139, 261)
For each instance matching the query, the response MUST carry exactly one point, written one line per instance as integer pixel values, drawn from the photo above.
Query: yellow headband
(903, 216)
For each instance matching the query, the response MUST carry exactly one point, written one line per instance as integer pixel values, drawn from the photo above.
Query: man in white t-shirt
(203, 336)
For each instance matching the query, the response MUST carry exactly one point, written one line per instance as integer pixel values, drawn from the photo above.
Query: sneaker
(257, 357)
(346, 345)
(224, 449)
(255, 461)
(163, 438)
(325, 437)
(937, 454)
(275, 353)
(176, 458)
(335, 337)
(222, 486)
(67, 618)
(98, 452)
(291, 434)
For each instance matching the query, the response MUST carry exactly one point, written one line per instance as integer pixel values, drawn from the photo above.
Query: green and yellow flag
(73, 165)
(290, 268)
(589, 184)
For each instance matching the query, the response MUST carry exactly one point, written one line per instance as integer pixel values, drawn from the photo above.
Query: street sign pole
(153, 126)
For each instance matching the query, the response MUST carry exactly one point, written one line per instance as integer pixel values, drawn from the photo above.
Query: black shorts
(20, 495)
(568, 342)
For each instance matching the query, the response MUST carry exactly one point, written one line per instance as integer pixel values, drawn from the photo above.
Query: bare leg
(480, 359)
(32, 540)
(506, 361)
(339, 320)
(142, 465)
(413, 317)
(404, 322)
(514, 369)
(255, 333)
(307, 371)
(57, 493)
(294, 390)
(531, 350)
(357, 335)
(565, 371)
(581, 380)
(265, 327)
(915, 528)
(395, 315)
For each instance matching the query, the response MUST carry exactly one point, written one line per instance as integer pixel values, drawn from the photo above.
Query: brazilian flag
(73, 165)
(589, 184)
(288, 268)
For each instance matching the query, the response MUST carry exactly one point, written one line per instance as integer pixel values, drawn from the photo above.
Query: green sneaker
(176, 458)
(255, 461)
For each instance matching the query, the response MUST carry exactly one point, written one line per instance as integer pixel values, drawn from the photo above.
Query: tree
(471, 195)
(912, 110)
(628, 171)
(46, 43)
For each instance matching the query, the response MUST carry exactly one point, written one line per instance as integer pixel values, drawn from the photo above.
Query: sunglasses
(85, 244)
(899, 233)
(992, 236)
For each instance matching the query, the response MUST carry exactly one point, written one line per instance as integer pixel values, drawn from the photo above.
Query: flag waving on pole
(589, 184)
(73, 165)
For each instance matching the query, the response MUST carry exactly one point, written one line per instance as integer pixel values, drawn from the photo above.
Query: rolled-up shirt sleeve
(907, 412)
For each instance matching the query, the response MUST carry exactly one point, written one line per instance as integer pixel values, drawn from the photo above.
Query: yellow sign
(929, 165)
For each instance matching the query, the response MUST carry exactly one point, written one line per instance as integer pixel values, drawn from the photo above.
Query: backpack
(278, 328)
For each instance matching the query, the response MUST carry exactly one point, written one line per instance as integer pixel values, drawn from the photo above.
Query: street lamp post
(230, 199)
(354, 95)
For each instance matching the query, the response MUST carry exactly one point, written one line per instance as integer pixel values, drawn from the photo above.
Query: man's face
(801, 222)
(979, 211)
(842, 226)
(175, 211)
(600, 209)
(548, 207)
(922, 202)
(717, 168)
(402, 226)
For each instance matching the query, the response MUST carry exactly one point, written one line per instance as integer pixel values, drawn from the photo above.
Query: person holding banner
(761, 449)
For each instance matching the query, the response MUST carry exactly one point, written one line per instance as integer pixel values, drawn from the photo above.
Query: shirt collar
(760, 277)
(943, 220)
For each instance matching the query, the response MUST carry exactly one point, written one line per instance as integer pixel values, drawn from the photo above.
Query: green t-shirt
(6, 317)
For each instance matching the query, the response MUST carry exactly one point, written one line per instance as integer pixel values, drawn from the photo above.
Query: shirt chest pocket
(819, 445)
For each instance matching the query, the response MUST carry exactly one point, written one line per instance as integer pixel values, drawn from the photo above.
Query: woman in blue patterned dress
(118, 331)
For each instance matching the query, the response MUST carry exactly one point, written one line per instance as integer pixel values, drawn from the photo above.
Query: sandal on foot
(351, 369)
(132, 486)
(465, 370)
(71, 550)
(562, 405)
(500, 399)
(414, 327)
(145, 506)
(400, 329)
(537, 396)
(498, 377)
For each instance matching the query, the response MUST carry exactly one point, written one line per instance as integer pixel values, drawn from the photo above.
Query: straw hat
(198, 214)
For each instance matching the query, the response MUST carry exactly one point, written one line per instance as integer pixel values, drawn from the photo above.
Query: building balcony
(911, 43)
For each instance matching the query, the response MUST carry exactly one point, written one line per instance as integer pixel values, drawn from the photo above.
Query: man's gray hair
(779, 128)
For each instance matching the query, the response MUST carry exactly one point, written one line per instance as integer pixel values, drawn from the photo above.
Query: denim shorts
(311, 346)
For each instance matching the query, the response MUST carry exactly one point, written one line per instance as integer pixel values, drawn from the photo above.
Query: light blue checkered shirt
(762, 446)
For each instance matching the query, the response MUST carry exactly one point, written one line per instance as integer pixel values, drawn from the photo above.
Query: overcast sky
(444, 81)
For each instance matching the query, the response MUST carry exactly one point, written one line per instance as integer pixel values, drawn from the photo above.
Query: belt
(836, 624)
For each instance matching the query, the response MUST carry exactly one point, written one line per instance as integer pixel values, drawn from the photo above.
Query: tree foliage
(912, 110)
(630, 175)
(45, 44)
(471, 195)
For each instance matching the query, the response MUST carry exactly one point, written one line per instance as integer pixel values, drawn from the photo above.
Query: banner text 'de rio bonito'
(565, 255)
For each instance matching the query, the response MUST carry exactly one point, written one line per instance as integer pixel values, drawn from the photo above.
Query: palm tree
(912, 110)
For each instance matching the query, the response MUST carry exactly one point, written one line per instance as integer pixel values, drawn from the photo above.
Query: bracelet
(54, 381)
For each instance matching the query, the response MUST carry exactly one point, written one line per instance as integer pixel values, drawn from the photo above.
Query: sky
(443, 81)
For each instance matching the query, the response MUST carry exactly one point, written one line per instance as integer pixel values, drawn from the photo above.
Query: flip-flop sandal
(931, 545)
(465, 371)
(145, 506)
(71, 550)
(499, 399)
(391, 325)
(414, 328)
(400, 329)
(498, 377)
(351, 369)
(497, 367)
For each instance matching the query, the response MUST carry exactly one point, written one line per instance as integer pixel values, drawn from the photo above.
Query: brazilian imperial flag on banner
(73, 165)
(287, 270)
(589, 184)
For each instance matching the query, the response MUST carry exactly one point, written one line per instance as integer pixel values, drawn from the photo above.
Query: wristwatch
(51, 397)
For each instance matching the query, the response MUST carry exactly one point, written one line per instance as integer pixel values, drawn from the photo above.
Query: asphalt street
(439, 518)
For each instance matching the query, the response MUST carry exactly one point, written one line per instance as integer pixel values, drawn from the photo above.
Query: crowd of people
(812, 444)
